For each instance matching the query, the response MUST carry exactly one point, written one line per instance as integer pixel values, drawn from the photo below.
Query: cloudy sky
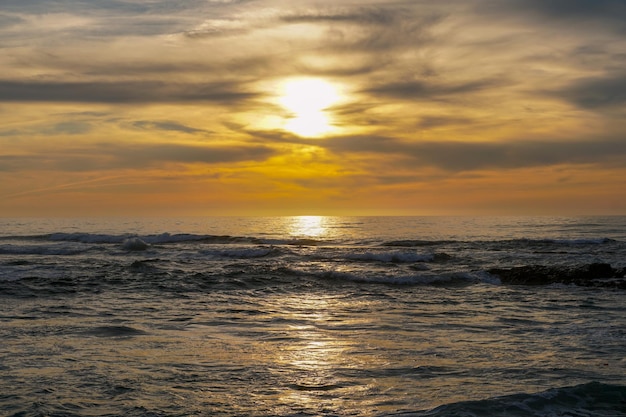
(273, 107)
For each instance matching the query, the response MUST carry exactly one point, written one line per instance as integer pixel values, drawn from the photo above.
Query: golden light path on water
(315, 355)
(308, 226)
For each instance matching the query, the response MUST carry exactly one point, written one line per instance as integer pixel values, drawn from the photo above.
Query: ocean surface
(311, 316)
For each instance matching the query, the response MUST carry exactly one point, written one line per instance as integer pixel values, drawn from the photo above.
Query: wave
(244, 253)
(509, 242)
(417, 243)
(167, 238)
(586, 400)
(135, 244)
(114, 331)
(154, 239)
(560, 242)
(45, 249)
(163, 238)
(390, 278)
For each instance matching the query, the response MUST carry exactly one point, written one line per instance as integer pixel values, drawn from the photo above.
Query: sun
(307, 101)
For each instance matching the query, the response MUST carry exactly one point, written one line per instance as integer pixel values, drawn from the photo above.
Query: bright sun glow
(307, 100)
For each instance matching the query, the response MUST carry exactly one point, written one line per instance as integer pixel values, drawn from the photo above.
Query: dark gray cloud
(468, 156)
(232, 26)
(597, 93)
(429, 90)
(344, 69)
(146, 155)
(153, 67)
(133, 156)
(378, 30)
(7, 21)
(584, 9)
(94, 6)
(167, 126)
(428, 122)
(10, 132)
(586, 14)
(121, 92)
(358, 15)
(113, 18)
(61, 128)
(68, 128)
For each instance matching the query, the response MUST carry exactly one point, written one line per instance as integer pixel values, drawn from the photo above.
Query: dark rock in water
(591, 275)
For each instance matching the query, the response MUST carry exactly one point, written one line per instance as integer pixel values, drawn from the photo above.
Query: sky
(273, 107)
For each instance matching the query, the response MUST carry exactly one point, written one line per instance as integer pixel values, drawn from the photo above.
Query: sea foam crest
(134, 244)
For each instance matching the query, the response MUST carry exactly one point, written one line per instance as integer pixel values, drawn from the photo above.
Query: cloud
(428, 122)
(419, 89)
(358, 15)
(167, 126)
(7, 21)
(91, 6)
(10, 132)
(145, 155)
(587, 15)
(109, 156)
(80, 20)
(467, 156)
(122, 92)
(354, 29)
(607, 10)
(596, 92)
(68, 128)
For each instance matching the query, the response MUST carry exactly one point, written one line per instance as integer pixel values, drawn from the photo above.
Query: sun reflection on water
(310, 362)
(308, 226)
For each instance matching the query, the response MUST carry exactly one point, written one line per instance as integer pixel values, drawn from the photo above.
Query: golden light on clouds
(231, 107)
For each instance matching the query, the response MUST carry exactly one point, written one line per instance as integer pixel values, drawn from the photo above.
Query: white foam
(134, 244)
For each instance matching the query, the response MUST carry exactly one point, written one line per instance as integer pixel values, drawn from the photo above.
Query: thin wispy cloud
(110, 157)
(120, 92)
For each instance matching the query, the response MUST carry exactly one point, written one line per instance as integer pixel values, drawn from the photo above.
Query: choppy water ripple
(339, 322)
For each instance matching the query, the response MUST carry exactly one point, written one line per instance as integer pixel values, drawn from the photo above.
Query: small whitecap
(134, 244)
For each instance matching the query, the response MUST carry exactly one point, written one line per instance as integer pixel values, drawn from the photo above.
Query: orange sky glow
(268, 107)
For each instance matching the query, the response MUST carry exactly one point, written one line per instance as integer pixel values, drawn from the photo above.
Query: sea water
(310, 316)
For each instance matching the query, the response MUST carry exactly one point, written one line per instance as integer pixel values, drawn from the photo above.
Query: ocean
(313, 316)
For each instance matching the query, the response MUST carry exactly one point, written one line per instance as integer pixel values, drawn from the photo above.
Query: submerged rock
(591, 275)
